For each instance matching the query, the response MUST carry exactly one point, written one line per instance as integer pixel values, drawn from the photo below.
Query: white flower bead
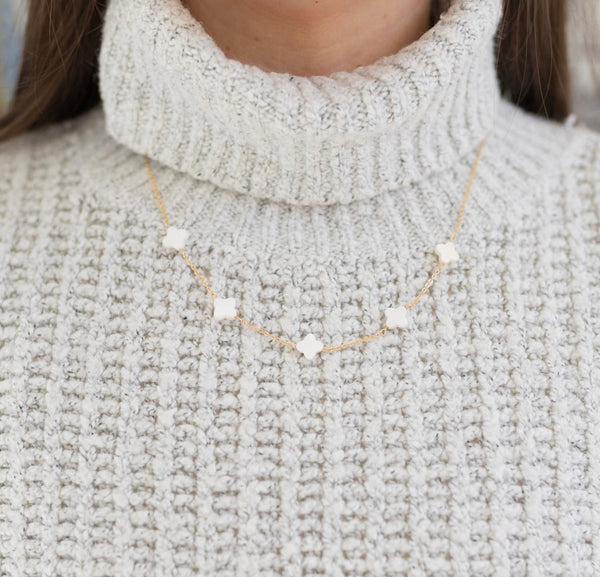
(175, 238)
(224, 309)
(446, 252)
(309, 346)
(396, 318)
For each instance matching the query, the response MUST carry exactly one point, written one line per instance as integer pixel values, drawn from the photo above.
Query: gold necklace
(310, 346)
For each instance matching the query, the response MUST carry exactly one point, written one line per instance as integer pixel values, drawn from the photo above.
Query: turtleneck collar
(168, 91)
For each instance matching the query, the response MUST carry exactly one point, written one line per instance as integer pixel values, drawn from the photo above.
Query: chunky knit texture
(140, 437)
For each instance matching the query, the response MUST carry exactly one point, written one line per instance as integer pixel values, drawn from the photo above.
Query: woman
(376, 352)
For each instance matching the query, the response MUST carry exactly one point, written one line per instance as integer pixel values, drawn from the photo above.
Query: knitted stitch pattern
(141, 437)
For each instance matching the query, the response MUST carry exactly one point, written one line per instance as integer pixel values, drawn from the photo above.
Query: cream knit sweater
(139, 436)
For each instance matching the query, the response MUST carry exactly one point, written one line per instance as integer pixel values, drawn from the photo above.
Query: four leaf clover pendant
(309, 346)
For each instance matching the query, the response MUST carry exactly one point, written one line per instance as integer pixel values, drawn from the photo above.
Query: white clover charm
(224, 309)
(175, 238)
(396, 318)
(446, 252)
(309, 346)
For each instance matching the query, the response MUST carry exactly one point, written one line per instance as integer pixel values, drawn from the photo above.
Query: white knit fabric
(320, 140)
(139, 436)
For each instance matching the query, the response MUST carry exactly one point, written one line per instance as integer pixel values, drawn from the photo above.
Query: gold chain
(292, 345)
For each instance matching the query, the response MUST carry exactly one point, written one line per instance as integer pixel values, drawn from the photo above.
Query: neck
(311, 38)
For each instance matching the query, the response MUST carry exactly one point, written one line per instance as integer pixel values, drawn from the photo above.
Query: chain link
(290, 344)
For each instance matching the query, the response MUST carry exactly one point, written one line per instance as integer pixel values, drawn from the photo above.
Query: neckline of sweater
(168, 91)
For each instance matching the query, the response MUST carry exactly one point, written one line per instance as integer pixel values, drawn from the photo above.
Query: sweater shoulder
(550, 157)
(47, 185)
(54, 149)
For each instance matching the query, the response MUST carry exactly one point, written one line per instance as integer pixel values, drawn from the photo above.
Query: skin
(311, 37)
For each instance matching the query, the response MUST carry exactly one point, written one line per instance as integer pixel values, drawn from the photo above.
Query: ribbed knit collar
(168, 91)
